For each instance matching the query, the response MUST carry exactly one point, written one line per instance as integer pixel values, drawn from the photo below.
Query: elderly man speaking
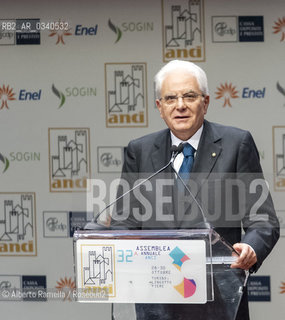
(209, 148)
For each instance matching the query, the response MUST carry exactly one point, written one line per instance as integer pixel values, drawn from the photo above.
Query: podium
(153, 254)
(128, 267)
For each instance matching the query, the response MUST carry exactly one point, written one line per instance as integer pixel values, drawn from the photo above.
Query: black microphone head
(177, 149)
(180, 147)
(173, 148)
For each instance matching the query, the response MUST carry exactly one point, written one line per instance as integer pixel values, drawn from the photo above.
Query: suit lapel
(160, 157)
(161, 150)
(208, 152)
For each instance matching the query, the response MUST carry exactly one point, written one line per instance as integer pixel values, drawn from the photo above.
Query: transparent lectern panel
(144, 266)
(117, 266)
(153, 252)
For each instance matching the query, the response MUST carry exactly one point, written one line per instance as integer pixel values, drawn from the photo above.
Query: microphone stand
(207, 225)
(93, 223)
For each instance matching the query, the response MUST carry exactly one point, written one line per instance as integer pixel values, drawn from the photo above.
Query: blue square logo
(34, 288)
(251, 28)
(27, 31)
(258, 288)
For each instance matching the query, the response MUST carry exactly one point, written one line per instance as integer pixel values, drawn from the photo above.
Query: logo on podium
(188, 286)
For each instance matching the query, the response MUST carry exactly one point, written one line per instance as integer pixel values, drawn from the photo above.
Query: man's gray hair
(182, 65)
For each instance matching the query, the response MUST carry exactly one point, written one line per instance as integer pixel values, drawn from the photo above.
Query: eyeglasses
(187, 98)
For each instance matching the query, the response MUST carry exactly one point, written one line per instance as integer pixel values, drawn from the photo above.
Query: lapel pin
(214, 154)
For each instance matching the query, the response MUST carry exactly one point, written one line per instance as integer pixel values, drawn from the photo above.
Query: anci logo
(279, 27)
(187, 287)
(72, 92)
(126, 95)
(66, 286)
(183, 30)
(69, 159)
(8, 94)
(129, 26)
(228, 91)
(61, 29)
(17, 224)
(279, 157)
(5, 162)
(110, 159)
(104, 256)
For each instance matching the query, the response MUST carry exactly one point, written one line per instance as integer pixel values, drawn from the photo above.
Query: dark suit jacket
(225, 154)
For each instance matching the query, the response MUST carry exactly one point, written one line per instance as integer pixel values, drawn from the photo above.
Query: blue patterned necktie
(186, 167)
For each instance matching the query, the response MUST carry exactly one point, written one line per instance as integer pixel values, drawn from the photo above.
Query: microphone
(179, 149)
(175, 150)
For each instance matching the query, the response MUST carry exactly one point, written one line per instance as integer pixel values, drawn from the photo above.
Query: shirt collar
(194, 140)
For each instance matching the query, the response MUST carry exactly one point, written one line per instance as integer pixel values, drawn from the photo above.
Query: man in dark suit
(218, 153)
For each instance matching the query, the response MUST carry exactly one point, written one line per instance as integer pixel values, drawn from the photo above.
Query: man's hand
(247, 257)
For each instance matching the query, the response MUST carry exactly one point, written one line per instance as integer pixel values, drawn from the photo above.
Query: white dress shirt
(194, 141)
